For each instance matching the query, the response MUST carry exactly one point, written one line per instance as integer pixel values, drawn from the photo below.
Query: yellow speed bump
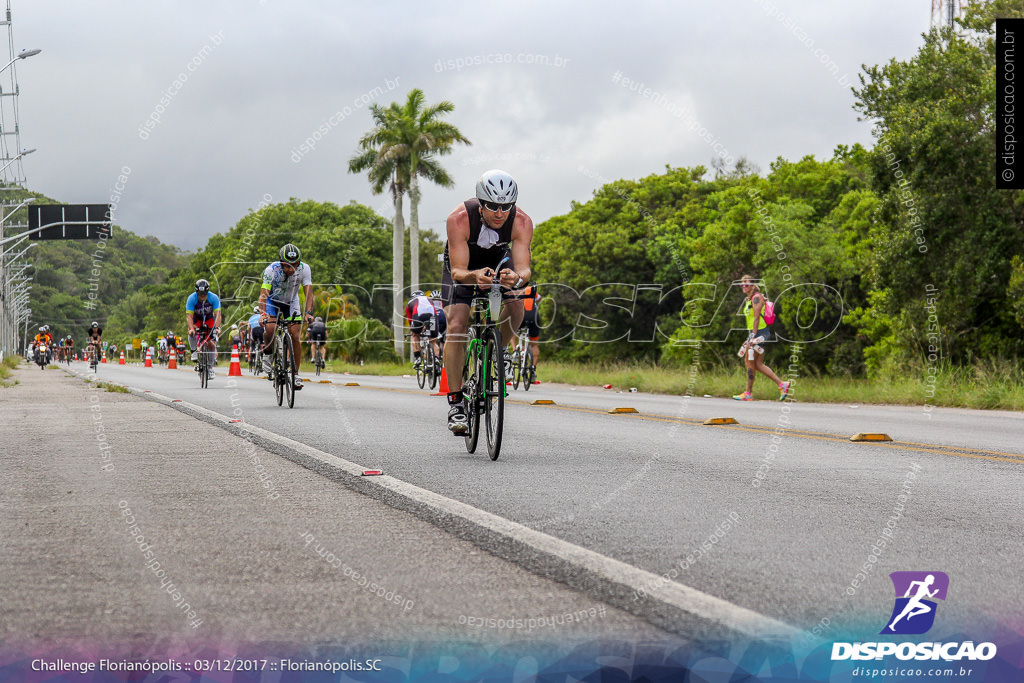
(542, 402)
(870, 437)
(325, 381)
(615, 411)
(351, 384)
(721, 421)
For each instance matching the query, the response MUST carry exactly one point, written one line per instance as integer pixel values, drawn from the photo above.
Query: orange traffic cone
(442, 389)
(235, 369)
(121, 362)
(172, 361)
(149, 358)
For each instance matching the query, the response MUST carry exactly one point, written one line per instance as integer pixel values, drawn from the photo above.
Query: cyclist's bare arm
(522, 237)
(458, 248)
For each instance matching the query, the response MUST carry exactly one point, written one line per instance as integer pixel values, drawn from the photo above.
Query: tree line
(877, 258)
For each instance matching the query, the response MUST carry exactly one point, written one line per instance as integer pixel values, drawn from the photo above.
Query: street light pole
(24, 54)
(24, 152)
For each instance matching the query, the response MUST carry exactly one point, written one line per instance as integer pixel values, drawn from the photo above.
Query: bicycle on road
(256, 359)
(428, 372)
(318, 359)
(284, 366)
(523, 368)
(93, 353)
(206, 345)
(483, 375)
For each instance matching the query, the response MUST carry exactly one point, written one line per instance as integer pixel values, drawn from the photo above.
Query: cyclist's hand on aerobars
(509, 278)
(483, 276)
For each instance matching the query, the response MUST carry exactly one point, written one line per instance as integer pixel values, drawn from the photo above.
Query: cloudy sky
(563, 95)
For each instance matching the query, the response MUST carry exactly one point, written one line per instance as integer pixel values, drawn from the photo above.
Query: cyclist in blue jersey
(202, 311)
(280, 291)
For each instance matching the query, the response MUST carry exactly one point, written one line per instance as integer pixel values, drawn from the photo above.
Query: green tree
(942, 224)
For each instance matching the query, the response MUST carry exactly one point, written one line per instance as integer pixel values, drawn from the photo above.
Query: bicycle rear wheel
(430, 361)
(203, 379)
(493, 389)
(288, 363)
(421, 373)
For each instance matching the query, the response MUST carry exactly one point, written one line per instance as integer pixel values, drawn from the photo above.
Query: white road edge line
(676, 597)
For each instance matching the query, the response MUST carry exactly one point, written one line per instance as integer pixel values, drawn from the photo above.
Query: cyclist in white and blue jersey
(280, 291)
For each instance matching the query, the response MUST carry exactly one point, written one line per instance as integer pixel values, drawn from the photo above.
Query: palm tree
(386, 170)
(425, 137)
(402, 147)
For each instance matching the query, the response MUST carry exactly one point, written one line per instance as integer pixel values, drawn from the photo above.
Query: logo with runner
(916, 595)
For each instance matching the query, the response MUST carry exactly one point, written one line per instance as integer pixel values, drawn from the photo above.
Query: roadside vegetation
(898, 266)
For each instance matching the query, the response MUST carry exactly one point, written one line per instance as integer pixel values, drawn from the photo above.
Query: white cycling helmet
(498, 187)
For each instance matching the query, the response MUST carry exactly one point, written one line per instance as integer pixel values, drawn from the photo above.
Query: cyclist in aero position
(94, 333)
(482, 231)
(202, 310)
(255, 331)
(171, 342)
(422, 316)
(280, 291)
(316, 333)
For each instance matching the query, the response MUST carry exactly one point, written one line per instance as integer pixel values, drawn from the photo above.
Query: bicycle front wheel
(494, 389)
(471, 387)
(203, 379)
(516, 363)
(278, 369)
(288, 363)
(529, 371)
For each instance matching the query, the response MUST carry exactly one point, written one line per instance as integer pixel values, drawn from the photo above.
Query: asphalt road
(169, 536)
(777, 514)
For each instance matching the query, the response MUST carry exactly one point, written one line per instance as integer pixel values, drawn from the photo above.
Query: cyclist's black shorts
(530, 323)
(454, 293)
(317, 338)
(442, 324)
(257, 334)
(423, 323)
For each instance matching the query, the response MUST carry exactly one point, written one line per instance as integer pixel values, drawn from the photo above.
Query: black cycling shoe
(458, 420)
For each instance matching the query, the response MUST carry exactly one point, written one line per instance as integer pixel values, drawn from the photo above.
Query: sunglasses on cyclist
(491, 206)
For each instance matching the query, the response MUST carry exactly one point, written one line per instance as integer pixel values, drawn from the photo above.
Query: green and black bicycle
(483, 375)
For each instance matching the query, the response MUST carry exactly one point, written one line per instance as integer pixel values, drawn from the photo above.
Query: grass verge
(8, 364)
(986, 386)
